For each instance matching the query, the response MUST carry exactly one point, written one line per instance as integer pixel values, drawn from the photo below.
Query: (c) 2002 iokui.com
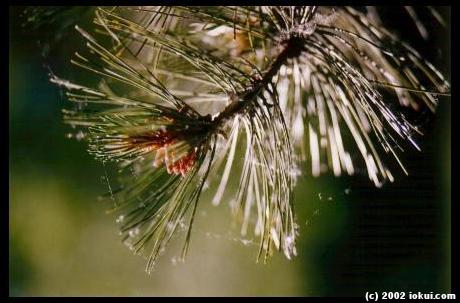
(388, 295)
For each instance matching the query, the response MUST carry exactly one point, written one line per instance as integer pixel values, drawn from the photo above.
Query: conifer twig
(184, 89)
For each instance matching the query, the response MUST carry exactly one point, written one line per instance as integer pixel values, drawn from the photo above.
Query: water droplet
(134, 232)
(80, 135)
(120, 219)
(246, 242)
(174, 261)
(289, 241)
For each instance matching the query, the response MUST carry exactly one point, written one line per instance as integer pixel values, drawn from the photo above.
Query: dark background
(362, 239)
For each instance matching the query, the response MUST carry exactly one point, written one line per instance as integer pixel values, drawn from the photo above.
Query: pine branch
(182, 89)
(291, 49)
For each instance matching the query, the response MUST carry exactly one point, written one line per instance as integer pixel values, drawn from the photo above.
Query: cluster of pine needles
(191, 95)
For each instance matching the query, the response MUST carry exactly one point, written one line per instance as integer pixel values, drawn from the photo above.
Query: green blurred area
(353, 237)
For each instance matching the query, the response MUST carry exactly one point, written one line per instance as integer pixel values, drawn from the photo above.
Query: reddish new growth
(154, 140)
(159, 141)
(183, 165)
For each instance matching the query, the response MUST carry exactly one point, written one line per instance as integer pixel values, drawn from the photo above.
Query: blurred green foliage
(63, 244)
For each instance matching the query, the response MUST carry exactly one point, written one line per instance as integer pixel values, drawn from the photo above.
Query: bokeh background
(353, 237)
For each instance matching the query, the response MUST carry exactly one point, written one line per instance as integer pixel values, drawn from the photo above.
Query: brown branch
(291, 48)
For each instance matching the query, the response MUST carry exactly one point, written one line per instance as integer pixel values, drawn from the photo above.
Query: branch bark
(292, 48)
